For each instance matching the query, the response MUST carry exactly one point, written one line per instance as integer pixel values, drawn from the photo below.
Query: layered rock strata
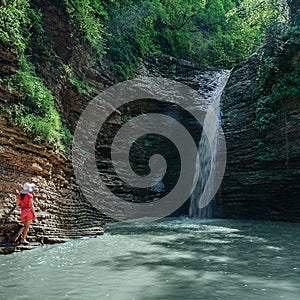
(262, 179)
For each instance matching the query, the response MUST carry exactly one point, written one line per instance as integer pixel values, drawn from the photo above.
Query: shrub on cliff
(35, 111)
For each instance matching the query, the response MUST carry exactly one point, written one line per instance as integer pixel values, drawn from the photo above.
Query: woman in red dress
(27, 210)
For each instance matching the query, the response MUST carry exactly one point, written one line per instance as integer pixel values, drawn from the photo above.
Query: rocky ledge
(62, 212)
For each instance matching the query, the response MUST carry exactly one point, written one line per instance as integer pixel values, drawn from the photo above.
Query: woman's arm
(31, 206)
(18, 198)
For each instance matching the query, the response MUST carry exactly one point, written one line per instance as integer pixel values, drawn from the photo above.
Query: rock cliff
(62, 211)
(262, 180)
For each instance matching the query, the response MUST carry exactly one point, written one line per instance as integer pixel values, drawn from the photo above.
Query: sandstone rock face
(61, 210)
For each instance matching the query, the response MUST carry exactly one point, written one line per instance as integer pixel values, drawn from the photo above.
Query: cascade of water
(201, 207)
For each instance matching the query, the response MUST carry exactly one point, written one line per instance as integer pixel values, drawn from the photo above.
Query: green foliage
(66, 140)
(130, 36)
(37, 44)
(261, 14)
(137, 28)
(18, 21)
(87, 16)
(216, 33)
(176, 28)
(265, 151)
(79, 84)
(13, 23)
(224, 42)
(37, 113)
(269, 22)
(271, 107)
(267, 113)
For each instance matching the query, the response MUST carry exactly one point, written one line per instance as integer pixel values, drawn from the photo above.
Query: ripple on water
(166, 259)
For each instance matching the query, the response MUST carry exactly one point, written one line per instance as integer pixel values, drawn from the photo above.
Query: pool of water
(166, 259)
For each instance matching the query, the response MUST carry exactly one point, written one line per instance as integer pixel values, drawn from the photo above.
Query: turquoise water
(167, 259)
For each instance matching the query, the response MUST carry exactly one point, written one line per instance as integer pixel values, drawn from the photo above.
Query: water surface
(167, 259)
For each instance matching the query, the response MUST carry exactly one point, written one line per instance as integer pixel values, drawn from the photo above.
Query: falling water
(209, 145)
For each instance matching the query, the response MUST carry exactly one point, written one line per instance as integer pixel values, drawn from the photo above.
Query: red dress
(26, 212)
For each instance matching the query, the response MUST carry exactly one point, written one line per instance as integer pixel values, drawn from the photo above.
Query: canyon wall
(262, 179)
(62, 211)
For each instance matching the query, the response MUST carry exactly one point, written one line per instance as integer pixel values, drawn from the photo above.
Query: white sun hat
(27, 188)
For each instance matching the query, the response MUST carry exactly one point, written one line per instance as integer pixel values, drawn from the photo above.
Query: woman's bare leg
(18, 235)
(26, 228)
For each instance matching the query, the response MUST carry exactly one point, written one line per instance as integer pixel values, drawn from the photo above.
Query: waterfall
(208, 148)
